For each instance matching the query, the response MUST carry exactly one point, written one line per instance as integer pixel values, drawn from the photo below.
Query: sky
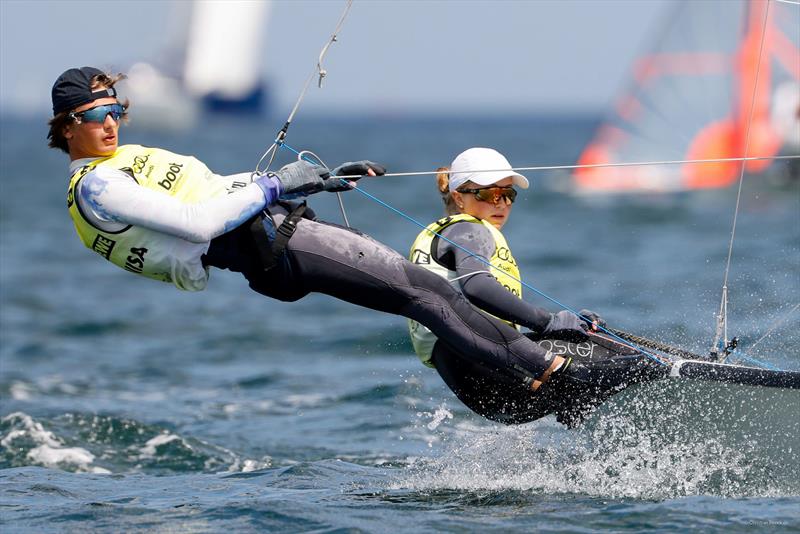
(392, 57)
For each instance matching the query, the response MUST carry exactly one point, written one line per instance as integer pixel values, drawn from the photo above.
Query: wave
(652, 442)
(103, 444)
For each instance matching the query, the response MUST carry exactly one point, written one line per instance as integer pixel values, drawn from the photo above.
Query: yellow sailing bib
(504, 269)
(140, 250)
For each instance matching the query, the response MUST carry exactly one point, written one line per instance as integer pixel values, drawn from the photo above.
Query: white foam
(50, 450)
(633, 448)
(439, 416)
(247, 465)
(53, 456)
(30, 428)
(149, 449)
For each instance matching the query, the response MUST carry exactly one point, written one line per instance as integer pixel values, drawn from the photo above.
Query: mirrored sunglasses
(99, 113)
(493, 194)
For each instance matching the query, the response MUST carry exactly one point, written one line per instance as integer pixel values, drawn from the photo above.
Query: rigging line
(774, 326)
(677, 351)
(315, 161)
(599, 165)
(488, 264)
(722, 317)
(318, 71)
(657, 345)
(322, 72)
(793, 2)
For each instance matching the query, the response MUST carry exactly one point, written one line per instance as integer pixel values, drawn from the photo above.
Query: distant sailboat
(214, 63)
(690, 98)
(224, 55)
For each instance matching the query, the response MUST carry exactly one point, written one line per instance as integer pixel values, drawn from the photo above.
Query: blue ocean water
(126, 405)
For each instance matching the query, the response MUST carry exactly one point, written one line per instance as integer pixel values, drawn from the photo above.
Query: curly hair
(60, 121)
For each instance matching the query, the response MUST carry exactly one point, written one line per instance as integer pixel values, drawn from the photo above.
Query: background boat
(722, 80)
(212, 63)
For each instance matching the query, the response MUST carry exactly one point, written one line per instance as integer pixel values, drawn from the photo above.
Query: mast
(752, 127)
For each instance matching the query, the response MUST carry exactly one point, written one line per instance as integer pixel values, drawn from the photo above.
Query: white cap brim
(489, 178)
(483, 166)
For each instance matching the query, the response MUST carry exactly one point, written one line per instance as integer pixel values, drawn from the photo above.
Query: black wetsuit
(492, 391)
(327, 258)
(486, 389)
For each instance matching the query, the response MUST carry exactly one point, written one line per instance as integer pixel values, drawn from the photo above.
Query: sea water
(130, 406)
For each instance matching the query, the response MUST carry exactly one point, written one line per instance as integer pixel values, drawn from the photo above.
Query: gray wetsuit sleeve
(477, 284)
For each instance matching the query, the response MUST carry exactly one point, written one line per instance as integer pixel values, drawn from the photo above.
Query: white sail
(213, 61)
(224, 53)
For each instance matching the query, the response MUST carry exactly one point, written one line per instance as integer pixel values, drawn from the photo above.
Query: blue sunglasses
(99, 113)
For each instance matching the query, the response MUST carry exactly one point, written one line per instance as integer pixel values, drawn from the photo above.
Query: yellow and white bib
(141, 250)
(504, 269)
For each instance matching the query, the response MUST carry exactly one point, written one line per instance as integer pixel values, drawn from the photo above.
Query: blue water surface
(128, 405)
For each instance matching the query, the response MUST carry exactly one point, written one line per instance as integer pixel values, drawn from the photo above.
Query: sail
(213, 61)
(707, 89)
(224, 54)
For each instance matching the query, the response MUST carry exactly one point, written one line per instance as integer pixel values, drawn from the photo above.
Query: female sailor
(467, 248)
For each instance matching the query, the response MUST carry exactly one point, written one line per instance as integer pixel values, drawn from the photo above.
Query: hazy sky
(392, 56)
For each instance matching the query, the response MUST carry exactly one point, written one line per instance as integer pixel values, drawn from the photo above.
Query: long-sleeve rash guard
(111, 200)
(477, 284)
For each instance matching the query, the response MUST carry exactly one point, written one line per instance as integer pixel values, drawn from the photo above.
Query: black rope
(657, 345)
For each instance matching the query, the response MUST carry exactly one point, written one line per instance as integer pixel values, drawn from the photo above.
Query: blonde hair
(443, 184)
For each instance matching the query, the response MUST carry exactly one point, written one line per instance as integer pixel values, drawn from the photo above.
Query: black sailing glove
(593, 318)
(565, 325)
(355, 170)
(359, 169)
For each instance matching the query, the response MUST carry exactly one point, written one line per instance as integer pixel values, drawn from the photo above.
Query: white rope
(595, 165)
(793, 2)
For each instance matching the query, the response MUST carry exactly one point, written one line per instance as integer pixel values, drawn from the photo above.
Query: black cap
(73, 88)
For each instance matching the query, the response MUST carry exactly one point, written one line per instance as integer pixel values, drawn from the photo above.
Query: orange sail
(706, 90)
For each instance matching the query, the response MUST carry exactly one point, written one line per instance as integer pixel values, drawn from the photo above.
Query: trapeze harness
(424, 252)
